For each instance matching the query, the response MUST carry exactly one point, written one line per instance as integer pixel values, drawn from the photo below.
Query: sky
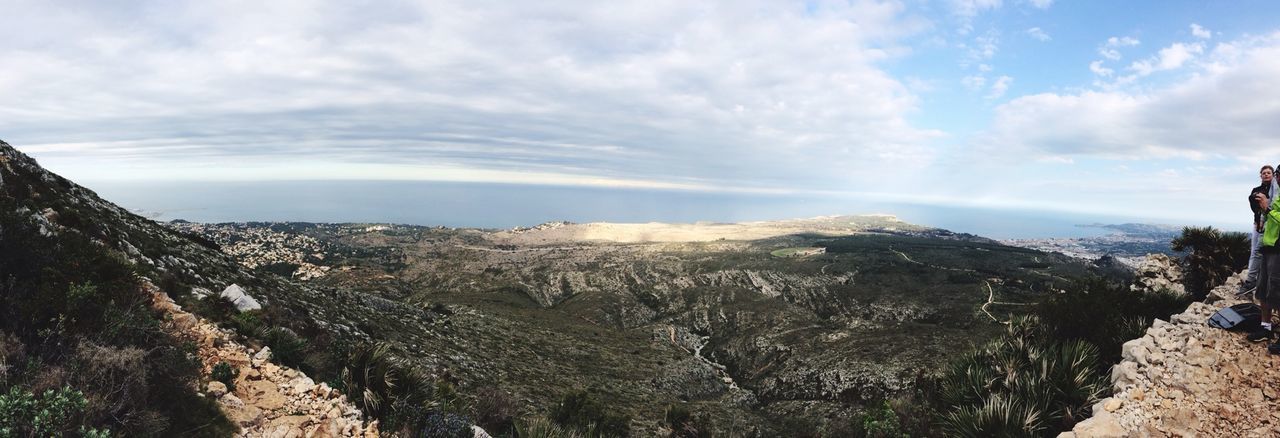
(1144, 108)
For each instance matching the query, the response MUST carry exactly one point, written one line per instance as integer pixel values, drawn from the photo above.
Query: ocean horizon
(488, 205)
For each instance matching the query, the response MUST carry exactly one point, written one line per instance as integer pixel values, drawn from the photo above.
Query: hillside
(811, 318)
(755, 328)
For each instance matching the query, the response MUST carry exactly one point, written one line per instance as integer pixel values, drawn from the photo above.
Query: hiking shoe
(1274, 348)
(1246, 292)
(1260, 335)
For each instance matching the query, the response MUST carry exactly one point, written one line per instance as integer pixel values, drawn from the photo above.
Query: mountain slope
(797, 327)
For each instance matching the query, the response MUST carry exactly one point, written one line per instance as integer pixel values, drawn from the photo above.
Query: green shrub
(225, 373)
(545, 428)
(881, 421)
(582, 408)
(998, 416)
(445, 425)
(50, 414)
(684, 424)
(1105, 314)
(1212, 256)
(286, 347)
(1024, 383)
(248, 323)
(494, 410)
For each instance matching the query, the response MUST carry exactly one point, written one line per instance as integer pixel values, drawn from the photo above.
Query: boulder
(237, 296)
(1101, 425)
(216, 389)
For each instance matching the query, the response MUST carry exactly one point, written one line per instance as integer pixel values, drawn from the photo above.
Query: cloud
(1200, 32)
(1097, 69)
(974, 82)
(999, 87)
(971, 8)
(981, 49)
(714, 94)
(1224, 108)
(1041, 4)
(1038, 34)
(1110, 49)
(1168, 58)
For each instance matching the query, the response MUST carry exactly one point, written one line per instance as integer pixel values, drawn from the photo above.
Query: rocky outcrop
(1158, 272)
(237, 296)
(268, 400)
(1184, 378)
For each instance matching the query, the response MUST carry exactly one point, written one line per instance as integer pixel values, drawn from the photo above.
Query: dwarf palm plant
(1018, 386)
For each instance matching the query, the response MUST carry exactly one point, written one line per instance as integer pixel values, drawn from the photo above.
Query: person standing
(1266, 174)
(1268, 289)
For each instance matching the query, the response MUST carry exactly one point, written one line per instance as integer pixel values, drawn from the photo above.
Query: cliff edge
(1185, 378)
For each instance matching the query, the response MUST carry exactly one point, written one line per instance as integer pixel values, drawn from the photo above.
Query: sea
(485, 205)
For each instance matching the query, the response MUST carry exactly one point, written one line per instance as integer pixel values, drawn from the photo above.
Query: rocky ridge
(1185, 378)
(268, 400)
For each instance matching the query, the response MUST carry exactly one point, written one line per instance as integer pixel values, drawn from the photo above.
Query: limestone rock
(1101, 425)
(217, 389)
(237, 296)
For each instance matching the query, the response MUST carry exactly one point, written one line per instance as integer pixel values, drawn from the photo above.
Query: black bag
(1245, 317)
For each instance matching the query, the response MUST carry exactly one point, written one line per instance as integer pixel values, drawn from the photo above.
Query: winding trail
(991, 298)
(720, 370)
(945, 268)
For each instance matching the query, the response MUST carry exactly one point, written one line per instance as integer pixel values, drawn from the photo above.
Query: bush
(881, 421)
(446, 425)
(494, 410)
(684, 424)
(582, 409)
(53, 413)
(1212, 256)
(1021, 384)
(545, 428)
(74, 315)
(225, 373)
(1105, 314)
(248, 323)
(999, 416)
(286, 347)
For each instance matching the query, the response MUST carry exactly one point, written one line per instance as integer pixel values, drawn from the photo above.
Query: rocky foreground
(1185, 378)
(268, 400)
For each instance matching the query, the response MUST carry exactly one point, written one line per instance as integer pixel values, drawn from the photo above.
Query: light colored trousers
(1255, 259)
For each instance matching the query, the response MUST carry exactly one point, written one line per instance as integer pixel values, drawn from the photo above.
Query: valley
(747, 323)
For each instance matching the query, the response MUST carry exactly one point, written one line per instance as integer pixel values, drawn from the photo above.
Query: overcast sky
(1155, 109)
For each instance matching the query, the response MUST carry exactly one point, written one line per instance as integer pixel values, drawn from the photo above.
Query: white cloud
(1200, 32)
(974, 83)
(979, 50)
(1038, 34)
(971, 8)
(1110, 49)
(1122, 42)
(669, 92)
(1225, 109)
(1097, 68)
(1168, 58)
(999, 87)
(1042, 4)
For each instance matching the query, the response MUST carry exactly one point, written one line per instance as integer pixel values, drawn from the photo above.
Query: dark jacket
(1263, 188)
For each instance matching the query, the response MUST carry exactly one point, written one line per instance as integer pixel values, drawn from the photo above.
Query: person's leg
(1265, 284)
(1255, 262)
(1269, 278)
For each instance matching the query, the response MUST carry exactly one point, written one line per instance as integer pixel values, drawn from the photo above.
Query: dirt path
(267, 400)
